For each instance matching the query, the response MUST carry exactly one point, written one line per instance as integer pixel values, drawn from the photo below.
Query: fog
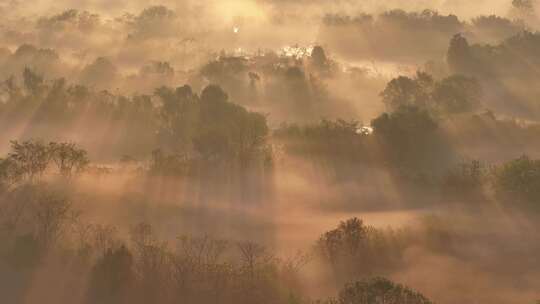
(269, 151)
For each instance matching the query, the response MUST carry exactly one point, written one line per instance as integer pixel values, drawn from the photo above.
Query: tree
(459, 56)
(228, 131)
(68, 158)
(318, 56)
(158, 68)
(178, 118)
(465, 180)
(31, 157)
(451, 95)
(156, 21)
(346, 239)
(496, 28)
(169, 164)
(151, 263)
(457, 94)
(380, 291)
(32, 82)
(52, 215)
(518, 181)
(523, 4)
(101, 73)
(111, 277)
(10, 173)
(338, 147)
(355, 250)
(405, 91)
(410, 139)
(319, 60)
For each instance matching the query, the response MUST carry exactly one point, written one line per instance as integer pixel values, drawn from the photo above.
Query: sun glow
(239, 8)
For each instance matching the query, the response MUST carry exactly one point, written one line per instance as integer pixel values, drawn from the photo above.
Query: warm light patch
(239, 8)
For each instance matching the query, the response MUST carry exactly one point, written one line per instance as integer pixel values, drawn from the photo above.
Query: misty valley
(266, 151)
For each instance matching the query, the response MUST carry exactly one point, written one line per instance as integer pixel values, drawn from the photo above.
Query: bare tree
(52, 216)
(10, 173)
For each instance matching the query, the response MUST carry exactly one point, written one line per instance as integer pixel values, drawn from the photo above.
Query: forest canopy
(269, 151)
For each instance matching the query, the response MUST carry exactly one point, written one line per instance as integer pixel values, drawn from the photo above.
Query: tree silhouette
(380, 291)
